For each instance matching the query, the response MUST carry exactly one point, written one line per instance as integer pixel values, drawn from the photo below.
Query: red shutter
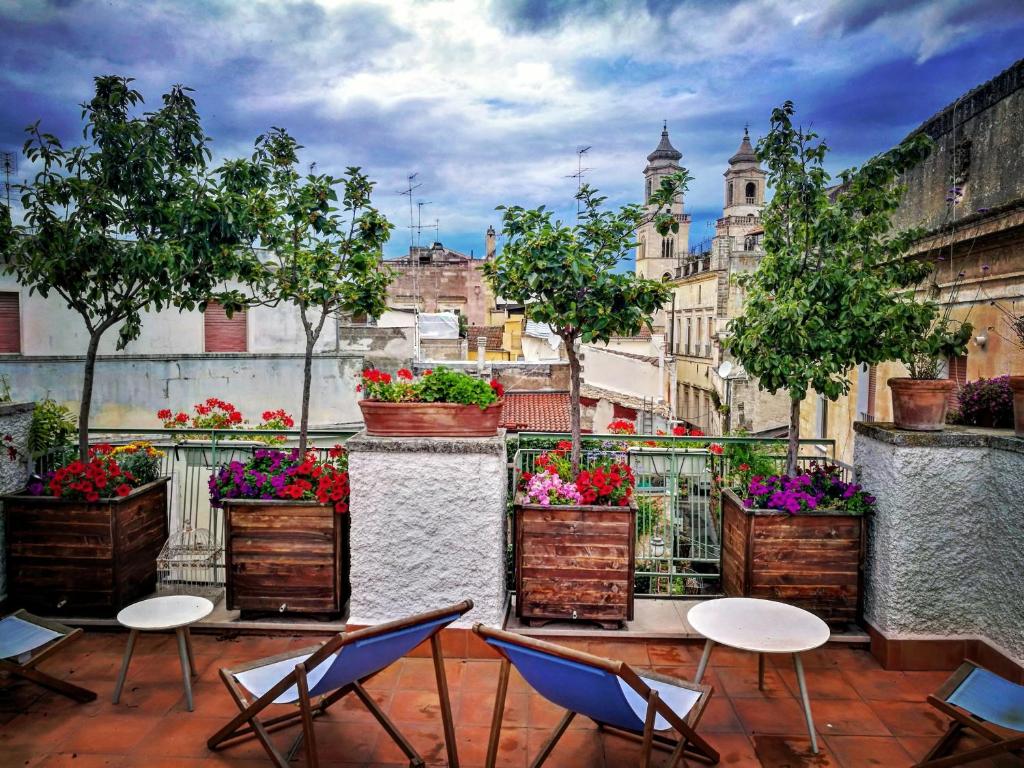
(622, 412)
(10, 323)
(958, 373)
(224, 334)
(872, 390)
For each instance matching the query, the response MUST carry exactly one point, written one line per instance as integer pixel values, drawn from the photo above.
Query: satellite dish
(725, 369)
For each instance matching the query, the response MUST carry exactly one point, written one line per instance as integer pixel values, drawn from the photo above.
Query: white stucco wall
(616, 372)
(428, 526)
(946, 547)
(15, 419)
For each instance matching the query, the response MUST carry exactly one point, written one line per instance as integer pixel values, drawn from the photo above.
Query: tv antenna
(408, 193)
(10, 165)
(580, 171)
(419, 219)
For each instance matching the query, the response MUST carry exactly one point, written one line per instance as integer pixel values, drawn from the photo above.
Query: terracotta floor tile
(741, 683)
(724, 656)
(414, 706)
(791, 752)
(480, 675)
(339, 743)
(823, 683)
(477, 708)
(675, 654)
(179, 735)
(545, 715)
(472, 741)
(351, 709)
(633, 653)
(841, 716)
(864, 751)
(917, 747)
(109, 733)
(76, 760)
(720, 717)
(580, 748)
(38, 731)
(894, 686)
(419, 675)
(771, 716)
(735, 750)
(904, 718)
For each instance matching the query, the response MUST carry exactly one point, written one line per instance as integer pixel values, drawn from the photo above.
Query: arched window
(647, 194)
(728, 200)
(751, 192)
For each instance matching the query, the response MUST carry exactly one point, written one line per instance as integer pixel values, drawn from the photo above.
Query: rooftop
(536, 411)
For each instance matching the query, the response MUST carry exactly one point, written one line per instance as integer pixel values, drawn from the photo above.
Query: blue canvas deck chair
(985, 703)
(608, 692)
(314, 678)
(26, 641)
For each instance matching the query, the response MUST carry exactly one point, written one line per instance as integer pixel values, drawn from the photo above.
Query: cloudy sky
(488, 101)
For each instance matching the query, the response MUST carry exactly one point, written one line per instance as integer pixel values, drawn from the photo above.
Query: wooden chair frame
(246, 724)
(1003, 740)
(27, 669)
(689, 744)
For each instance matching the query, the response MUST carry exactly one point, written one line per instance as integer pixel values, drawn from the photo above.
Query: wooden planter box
(285, 556)
(75, 558)
(430, 419)
(575, 563)
(812, 560)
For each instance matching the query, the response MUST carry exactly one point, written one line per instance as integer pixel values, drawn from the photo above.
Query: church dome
(745, 154)
(664, 150)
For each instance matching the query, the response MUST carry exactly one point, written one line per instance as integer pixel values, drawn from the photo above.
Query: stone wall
(428, 526)
(945, 550)
(15, 419)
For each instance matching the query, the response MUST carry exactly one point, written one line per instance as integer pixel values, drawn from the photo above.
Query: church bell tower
(656, 256)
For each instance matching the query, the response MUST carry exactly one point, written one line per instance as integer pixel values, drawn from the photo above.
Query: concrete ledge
(953, 436)
(12, 409)
(488, 446)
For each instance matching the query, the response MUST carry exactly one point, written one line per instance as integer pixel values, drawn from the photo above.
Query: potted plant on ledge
(441, 403)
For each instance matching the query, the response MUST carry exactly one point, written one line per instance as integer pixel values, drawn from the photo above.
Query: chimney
(491, 244)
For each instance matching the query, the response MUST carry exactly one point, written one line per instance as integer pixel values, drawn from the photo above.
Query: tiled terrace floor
(866, 716)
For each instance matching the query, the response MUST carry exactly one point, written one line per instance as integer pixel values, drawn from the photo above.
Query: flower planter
(430, 419)
(812, 559)
(575, 563)
(285, 556)
(76, 558)
(1017, 385)
(920, 404)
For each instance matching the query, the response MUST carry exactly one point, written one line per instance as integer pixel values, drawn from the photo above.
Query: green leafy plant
(946, 337)
(440, 385)
(130, 221)
(565, 275)
(52, 426)
(831, 291)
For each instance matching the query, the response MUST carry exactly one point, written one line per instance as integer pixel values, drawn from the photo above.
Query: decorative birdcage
(187, 564)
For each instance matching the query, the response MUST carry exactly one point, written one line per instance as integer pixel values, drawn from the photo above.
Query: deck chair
(26, 641)
(985, 703)
(328, 673)
(608, 692)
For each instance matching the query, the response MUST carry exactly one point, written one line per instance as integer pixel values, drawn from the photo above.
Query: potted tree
(285, 513)
(132, 220)
(440, 403)
(830, 293)
(565, 276)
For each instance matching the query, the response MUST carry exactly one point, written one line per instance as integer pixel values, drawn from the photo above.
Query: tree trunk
(794, 437)
(307, 378)
(574, 403)
(86, 405)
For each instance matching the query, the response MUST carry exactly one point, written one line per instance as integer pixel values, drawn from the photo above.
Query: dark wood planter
(1017, 385)
(920, 404)
(812, 560)
(76, 558)
(575, 563)
(285, 556)
(430, 419)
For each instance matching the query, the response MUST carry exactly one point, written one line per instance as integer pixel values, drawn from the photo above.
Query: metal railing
(190, 457)
(679, 483)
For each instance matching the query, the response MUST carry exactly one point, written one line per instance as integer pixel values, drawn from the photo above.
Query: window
(223, 333)
(688, 321)
(751, 192)
(957, 371)
(643, 248)
(10, 323)
(647, 194)
(728, 197)
(821, 417)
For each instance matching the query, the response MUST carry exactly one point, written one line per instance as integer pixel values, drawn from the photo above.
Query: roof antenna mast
(580, 170)
(408, 193)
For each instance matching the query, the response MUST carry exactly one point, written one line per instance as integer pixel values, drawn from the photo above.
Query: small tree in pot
(565, 274)
(832, 289)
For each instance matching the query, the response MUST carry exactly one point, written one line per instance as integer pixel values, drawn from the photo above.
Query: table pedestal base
(188, 665)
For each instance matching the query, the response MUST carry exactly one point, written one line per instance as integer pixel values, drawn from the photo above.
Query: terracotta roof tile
(536, 412)
(494, 334)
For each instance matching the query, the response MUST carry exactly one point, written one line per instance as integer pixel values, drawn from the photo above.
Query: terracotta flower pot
(920, 404)
(1017, 385)
(430, 419)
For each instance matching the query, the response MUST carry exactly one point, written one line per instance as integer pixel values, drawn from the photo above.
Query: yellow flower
(139, 445)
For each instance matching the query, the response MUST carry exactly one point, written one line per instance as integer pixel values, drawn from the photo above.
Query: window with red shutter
(10, 322)
(223, 333)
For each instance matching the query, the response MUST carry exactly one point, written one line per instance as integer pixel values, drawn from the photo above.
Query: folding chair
(26, 641)
(985, 703)
(330, 671)
(608, 692)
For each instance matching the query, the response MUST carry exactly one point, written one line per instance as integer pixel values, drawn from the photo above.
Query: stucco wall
(633, 375)
(129, 390)
(15, 419)
(944, 550)
(428, 526)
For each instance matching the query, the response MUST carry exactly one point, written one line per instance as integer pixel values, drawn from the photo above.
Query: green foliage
(831, 291)
(130, 221)
(5, 388)
(323, 239)
(53, 426)
(444, 385)
(565, 274)
(648, 515)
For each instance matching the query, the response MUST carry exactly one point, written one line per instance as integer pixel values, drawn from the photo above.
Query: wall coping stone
(10, 409)
(176, 356)
(364, 443)
(953, 436)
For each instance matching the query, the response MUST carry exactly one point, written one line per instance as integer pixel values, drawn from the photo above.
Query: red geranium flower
(499, 390)
(123, 489)
(404, 373)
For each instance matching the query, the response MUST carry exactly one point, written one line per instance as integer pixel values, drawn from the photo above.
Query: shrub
(441, 385)
(109, 473)
(273, 474)
(986, 403)
(53, 426)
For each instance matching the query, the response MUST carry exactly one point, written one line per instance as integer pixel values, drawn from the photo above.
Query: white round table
(157, 614)
(760, 626)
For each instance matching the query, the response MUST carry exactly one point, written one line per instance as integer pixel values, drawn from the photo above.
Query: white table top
(764, 626)
(168, 612)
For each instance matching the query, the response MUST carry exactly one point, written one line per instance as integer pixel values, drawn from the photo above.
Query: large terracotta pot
(430, 419)
(920, 404)
(1017, 385)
